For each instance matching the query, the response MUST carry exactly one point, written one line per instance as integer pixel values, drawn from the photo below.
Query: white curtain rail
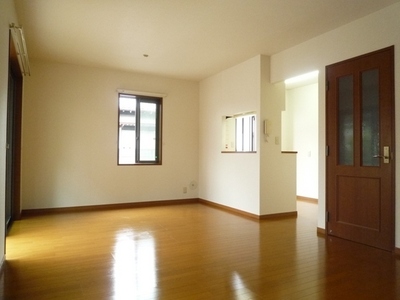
(139, 93)
(18, 38)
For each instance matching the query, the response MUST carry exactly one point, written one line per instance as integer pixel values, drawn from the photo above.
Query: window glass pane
(247, 141)
(253, 133)
(370, 117)
(346, 120)
(245, 133)
(148, 132)
(239, 134)
(127, 130)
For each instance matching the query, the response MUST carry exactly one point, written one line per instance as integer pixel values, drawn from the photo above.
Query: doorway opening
(300, 132)
(13, 139)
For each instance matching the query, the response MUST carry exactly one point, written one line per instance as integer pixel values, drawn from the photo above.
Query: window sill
(238, 151)
(140, 164)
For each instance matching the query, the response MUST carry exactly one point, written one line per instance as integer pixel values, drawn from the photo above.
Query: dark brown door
(360, 149)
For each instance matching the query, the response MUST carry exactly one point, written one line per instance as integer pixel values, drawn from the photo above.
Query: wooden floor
(189, 251)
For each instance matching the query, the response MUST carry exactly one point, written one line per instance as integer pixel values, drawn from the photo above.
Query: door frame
(15, 174)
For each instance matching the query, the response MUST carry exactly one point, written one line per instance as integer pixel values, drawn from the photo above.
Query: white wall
(70, 127)
(261, 183)
(302, 136)
(277, 169)
(373, 32)
(7, 16)
(230, 179)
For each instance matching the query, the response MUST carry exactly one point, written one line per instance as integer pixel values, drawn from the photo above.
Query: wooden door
(360, 149)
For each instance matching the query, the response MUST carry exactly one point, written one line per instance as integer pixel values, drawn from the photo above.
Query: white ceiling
(188, 39)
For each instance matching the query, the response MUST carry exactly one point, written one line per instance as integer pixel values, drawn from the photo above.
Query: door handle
(385, 156)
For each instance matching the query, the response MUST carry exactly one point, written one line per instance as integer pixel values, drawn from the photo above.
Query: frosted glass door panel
(346, 120)
(370, 117)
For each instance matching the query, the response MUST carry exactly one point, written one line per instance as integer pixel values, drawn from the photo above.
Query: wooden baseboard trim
(321, 231)
(75, 209)
(41, 211)
(307, 199)
(290, 214)
(242, 213)
(229, 209)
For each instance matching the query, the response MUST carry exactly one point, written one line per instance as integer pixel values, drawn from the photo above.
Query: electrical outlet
(184, 189)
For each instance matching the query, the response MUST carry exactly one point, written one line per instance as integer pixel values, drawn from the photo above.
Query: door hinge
(327, 216)
(327, 86)
(326, 150)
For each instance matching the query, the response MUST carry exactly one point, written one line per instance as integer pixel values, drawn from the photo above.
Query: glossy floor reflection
(134, 271)
(189, 251)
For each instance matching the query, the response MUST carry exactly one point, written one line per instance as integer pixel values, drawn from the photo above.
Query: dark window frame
(137, 128)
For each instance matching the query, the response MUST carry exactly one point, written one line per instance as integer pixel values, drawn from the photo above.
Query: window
(245, 133)
(139, 134)
(239, 133)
